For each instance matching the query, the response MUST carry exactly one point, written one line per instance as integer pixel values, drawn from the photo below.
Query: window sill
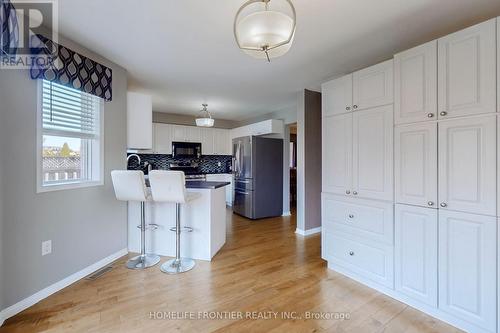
(68, 186)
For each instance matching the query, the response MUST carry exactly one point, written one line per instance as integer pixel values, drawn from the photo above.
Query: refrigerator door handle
(240, 192)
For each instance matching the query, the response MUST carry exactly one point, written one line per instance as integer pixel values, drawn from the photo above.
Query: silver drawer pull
(443, 113)
(430, 203)
(351, 216)
(347, 192)
(351, 253)
(355, 193)
(430, 115)
(443, 204)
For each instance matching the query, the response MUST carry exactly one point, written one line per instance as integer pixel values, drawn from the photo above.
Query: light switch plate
(46, 247)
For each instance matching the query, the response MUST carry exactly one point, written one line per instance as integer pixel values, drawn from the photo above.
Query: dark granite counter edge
(205, 185)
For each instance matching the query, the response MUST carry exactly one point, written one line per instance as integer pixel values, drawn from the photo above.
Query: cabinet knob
(430, 115)
(347, 192)
(443, 204)
(355, 193)
(351, 216)
(347, 108)
(351, 253)
(430, 203)
(354, 106)
(443, 113)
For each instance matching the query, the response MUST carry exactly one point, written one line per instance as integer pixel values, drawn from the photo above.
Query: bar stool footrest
(186, 229)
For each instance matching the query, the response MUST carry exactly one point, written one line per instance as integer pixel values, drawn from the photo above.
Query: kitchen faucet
(134, 155)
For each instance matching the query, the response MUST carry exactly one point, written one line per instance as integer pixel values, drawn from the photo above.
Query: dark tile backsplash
(208, 164)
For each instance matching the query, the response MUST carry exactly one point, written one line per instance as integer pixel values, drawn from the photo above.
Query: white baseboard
(46, 292)
(308, 232)
(287, 214)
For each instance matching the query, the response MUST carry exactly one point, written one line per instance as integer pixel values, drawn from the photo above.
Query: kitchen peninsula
(206, 215)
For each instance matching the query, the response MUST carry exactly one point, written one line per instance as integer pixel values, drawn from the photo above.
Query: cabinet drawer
(369, 219)
(371, 260)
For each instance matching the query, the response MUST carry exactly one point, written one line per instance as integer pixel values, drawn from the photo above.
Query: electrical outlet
(46, 247)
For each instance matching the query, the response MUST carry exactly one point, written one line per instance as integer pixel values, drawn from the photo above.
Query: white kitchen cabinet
(372, 155)
(179, 133)
(139, 121)
(371, 260)
(467, 165)
(466, 71)
(373, 86)
(207, 141)
(415, 84)
(193, 134)
(337, 154)
(229, 188)
(266, 127)
(416, 253)
(337, 96)
(369, 219)
(467, 267)
(162, 138)
(415, 164)
(221, 142)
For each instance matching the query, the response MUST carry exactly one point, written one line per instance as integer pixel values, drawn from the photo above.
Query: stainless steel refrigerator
(258, 177)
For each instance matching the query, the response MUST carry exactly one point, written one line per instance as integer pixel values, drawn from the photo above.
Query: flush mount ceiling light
(264, 32)
(204, 119)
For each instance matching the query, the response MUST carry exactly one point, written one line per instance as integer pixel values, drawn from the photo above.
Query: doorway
(293, 166)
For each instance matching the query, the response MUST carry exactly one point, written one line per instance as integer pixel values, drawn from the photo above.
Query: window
(70, 138)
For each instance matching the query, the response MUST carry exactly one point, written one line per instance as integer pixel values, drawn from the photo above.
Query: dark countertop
(205, 185)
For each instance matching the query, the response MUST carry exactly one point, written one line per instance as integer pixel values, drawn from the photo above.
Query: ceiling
(184, 54)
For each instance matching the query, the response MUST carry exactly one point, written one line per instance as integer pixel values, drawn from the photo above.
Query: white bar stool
(170, 186)
(130, 186)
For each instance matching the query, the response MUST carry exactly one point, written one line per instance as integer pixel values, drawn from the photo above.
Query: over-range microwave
(186, 149)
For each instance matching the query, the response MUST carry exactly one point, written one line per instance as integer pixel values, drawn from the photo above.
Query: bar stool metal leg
(178, 265)
(143, 260)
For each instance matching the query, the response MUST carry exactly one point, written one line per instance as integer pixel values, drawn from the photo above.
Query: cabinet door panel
(415, 162)
(373, 153)
(337, 154)
(415, 73)
(193, 134)
(162, 138)
(221, 142)
(416, 253)
(179, 133)
(467, 165)
(467, 267)
(467, 79)
(207, 141)
(337, 96)
(373, 86)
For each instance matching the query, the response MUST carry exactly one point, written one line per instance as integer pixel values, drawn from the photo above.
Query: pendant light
(262, 31)
(204, 119)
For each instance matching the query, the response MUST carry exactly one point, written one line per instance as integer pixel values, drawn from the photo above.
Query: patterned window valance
(10, 28)
(71, 69)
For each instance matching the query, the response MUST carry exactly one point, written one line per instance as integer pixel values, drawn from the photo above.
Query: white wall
(85, 225)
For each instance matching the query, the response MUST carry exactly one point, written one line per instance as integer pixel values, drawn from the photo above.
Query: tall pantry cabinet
(442, 258)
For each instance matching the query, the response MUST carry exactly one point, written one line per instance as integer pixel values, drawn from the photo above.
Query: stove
(191, 170)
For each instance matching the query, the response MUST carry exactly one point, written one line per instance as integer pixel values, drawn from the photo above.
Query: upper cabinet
(337, 96)
(266, 127)
(337, 154)
(373, 153)
(415, 78)
(214, 141)
(373, 86)
(466, 71)
(139, 121)
(162, 138)
(222, 145)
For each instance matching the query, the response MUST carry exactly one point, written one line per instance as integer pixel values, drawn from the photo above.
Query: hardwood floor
(264, 267)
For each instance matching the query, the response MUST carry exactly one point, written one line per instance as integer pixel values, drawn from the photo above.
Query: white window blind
(69, 112)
